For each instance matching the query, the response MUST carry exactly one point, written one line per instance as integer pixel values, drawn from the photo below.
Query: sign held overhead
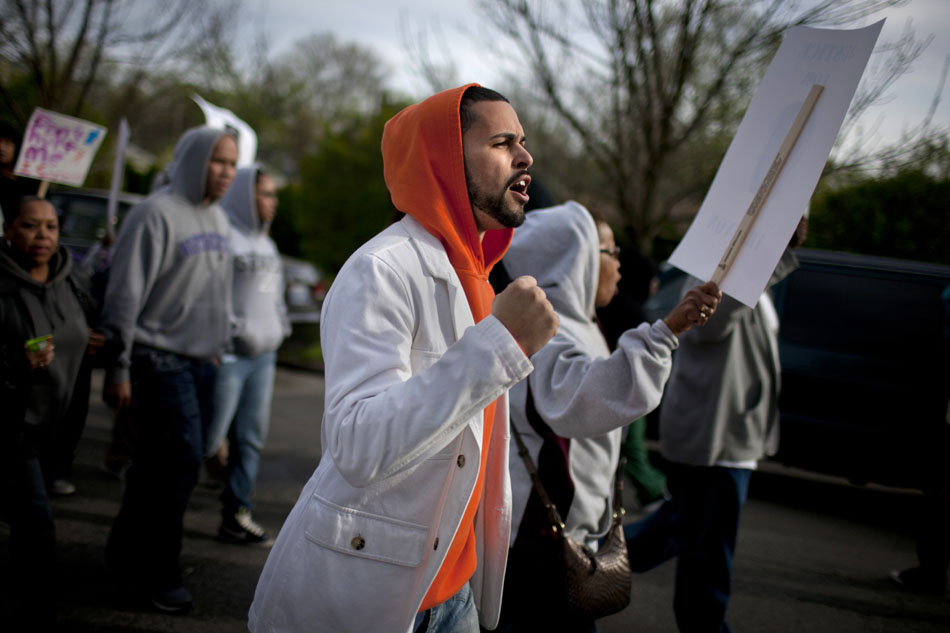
(764, 183)
(58, 148)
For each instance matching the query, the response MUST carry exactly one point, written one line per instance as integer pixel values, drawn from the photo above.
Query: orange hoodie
(424, 170)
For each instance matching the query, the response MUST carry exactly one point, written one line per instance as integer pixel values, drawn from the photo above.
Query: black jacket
(34, 399)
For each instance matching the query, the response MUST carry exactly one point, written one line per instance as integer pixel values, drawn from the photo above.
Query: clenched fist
(694, 308)
(524, 309)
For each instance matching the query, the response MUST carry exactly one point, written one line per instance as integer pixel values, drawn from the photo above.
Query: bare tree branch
(637, 82)
(62, 44)
(96, 58)
(79, 42)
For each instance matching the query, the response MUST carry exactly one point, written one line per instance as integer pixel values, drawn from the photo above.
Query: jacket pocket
(359, 533)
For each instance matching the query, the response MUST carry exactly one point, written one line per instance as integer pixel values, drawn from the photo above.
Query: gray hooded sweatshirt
(259, 314)
(35, 399)
(170, 279)
(581, 390)
(722, 400)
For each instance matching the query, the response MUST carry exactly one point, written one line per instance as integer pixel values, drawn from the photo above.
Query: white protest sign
(58, 148)
(223, 119)
(834, 59)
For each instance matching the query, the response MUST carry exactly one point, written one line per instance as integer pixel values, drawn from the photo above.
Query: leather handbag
(591, 584)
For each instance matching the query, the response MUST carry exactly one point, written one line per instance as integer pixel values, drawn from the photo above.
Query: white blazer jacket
(408, 375)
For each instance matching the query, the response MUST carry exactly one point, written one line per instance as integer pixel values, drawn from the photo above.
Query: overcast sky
(376, 24)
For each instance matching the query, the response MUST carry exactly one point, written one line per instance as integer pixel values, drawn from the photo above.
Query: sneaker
(177, 600)
(62, 488)
(919, 581)
(241, 529)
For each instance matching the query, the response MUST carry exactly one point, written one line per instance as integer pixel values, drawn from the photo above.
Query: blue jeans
(455, 615)
(173, 398)
(699, 526)
(242, 397)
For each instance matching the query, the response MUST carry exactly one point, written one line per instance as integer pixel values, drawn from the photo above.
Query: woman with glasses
(583, 396)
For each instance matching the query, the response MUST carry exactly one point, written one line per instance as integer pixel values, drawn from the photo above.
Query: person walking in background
(166, 317)
(404, 524)
(245, 382)
(718, 417)
(43, 339)
(12, 187)
(570, 412)
(929, 576)
(95, 268)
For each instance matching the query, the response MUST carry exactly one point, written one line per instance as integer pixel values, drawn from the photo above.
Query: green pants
(648, 481)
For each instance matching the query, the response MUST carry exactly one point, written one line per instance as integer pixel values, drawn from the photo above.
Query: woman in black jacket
(43, 337)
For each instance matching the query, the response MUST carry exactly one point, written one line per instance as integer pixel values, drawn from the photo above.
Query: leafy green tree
(341, 199)
(904, 215)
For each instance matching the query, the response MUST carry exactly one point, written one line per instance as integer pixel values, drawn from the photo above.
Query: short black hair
(8, 130)
(472, 95)
(11, 214)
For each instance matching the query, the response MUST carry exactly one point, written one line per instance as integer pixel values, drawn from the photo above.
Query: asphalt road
(813, 552)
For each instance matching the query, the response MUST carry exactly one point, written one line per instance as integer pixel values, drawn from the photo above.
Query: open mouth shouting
(519, 186)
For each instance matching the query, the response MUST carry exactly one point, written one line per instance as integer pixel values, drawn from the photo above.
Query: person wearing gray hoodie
(166, 319)
(584, 395)
(242, 393)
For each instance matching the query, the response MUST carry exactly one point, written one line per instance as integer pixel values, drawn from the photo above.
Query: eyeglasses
(613, 252)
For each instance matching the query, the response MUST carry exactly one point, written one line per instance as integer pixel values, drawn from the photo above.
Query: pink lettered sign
(58, 148)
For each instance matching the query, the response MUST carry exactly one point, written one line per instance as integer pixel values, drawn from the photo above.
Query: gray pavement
(812, 554)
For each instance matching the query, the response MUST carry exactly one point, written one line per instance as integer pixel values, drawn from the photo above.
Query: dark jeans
(173, 400)
(24, 504)
(698, 526)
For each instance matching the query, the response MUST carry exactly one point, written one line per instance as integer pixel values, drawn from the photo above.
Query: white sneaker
(62, 488)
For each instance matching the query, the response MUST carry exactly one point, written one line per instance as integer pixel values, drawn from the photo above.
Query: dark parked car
(82, 216)
(865, 353)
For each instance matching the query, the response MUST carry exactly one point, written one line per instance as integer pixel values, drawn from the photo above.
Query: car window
(82, 218)
(85, 219)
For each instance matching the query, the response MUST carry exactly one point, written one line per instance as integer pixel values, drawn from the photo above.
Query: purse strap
(557, 524)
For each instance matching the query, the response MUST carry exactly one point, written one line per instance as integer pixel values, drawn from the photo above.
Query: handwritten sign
(835, 59)
(58, 148)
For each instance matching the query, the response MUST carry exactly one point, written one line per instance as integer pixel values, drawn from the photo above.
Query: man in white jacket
(404, 525)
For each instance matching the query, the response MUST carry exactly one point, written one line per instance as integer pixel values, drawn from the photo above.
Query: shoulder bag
(591, 584)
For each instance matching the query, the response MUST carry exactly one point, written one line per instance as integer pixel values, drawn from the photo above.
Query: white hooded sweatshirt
(581, 390)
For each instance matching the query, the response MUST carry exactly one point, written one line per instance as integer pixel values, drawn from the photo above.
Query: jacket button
(436, 544)
(358, 542)
(460, 461)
